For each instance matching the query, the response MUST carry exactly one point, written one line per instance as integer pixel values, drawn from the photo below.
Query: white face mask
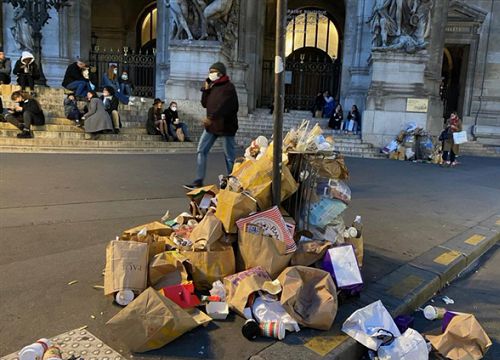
(213, 76)
(125, 77)
(173, 108)
(115, 71)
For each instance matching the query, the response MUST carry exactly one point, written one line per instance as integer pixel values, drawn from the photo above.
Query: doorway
(454, 77)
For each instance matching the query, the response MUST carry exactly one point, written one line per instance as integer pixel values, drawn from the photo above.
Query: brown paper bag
(207, 232)
(309, 296)
(239, 287)
(210, 266)
(255, 249)
(330, 168)
(167, 269)
(464, 339)
(150, 322)
(233, 206)
(155, 227)
(308, 252)
(358, 245)
(126, 266)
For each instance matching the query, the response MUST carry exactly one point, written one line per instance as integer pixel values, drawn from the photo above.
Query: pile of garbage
(386, 338)
(414, 144)
(234, 251)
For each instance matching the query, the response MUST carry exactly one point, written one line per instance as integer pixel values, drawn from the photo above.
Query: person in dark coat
(173, 122)
(220, 99)
(354, 118)
(337, 118)
(319, 104)
(111, 103)
(96, 119)
(5, 68)
(74, 79)
(71, 110)
(28, 112)
(27, 71)
(156, 123)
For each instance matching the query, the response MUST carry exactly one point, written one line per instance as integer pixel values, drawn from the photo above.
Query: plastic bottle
(358, 225)
(35, 351)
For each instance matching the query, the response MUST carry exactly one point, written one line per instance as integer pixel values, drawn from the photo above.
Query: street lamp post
(36, 13)
(279, 98)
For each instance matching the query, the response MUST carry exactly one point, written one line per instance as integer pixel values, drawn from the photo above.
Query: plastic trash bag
(391, 147)
(265, 309)
(334, 189)
(324, 211)
(366, 324)
(409, 346)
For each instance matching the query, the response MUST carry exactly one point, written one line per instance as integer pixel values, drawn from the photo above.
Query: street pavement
(57, 212)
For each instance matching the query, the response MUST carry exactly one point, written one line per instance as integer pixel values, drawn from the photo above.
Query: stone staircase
(475, 148)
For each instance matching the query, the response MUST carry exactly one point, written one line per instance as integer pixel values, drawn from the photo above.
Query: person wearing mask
(354, 118)
(27, 71)
(220, 99)
(126, 87)
(174, 124)
(71, 110)
(96, 119)
(329, 105)
(337, 118)
(74, 79)
(5, 68)
(450, 149)
(156, 123)
(27, 112)
(110, 79)
(111, 103)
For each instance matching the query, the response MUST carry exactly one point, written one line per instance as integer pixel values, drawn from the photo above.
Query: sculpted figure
(22, 32)
(216, 14)
(177, 10)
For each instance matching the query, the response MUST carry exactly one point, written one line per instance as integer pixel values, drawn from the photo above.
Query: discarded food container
(274, 329)
(52, 353)
(217, 310)
(35, 351)
(434, 312)
(251, 329)
(403, 322)
(124, 297)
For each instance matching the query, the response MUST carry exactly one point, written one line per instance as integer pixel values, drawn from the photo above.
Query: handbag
(459, 137)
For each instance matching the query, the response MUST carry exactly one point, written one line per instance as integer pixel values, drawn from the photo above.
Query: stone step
(98, 150)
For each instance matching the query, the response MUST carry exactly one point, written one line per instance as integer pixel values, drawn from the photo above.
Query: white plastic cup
(35, 351)
(123, 297)
(434, 312)
(273, 329)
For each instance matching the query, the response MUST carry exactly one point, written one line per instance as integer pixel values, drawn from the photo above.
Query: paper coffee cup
(434, 312)
(124, 297)
(273, 329)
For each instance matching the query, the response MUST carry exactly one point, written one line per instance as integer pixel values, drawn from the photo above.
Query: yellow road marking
(475, 239)
(322, 345)
(447, 258)
(404, 287)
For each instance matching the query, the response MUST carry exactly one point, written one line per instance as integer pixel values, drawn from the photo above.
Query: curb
(402, 291)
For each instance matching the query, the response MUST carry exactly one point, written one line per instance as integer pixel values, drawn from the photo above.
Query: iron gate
(141, 68)
(306, 75)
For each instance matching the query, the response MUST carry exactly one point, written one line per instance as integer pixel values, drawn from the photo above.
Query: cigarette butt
(98, 287)
(92, 316)
(82, 328)
(73, 282)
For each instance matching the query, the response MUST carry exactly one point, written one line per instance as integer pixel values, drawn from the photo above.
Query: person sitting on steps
(27, 71)
(96, 120)
(156, 123)
(111, 103)
(174, 124)
(126, 87)
(74, 79)
(5, 68)
(71, 110)
(27, 112)
(110, 79)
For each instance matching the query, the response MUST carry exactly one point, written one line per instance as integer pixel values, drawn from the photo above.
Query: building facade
(399, 61)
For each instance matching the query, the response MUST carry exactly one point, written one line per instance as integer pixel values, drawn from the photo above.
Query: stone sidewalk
(58, 212)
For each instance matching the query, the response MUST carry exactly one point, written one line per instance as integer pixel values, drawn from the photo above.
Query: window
(148, 27)
(312, 28)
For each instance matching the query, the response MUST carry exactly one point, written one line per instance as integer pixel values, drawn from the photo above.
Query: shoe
(165, 138)
(24, 135)
(188, 140)
(116, 131)
(193, 186)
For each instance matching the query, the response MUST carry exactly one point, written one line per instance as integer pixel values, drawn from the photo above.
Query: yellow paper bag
(232, 206)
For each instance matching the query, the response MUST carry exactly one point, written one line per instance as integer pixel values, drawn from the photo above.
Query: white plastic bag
(365, 324)
(409, 346)
(391, 147)
(460, 137)
(272, 310)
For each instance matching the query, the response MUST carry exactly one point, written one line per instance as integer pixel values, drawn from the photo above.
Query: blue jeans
(171, 130)
(126, 89)
(206, 142)
(80, 87)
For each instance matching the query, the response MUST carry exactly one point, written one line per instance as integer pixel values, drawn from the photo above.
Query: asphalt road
(57, 212)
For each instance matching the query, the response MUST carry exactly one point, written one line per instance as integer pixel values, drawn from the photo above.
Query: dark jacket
(69, 106)
(73, 73)
(33, 70)
(153, 115)
(221, 102)
(110, 105)
(170, 116)
(33, 107)
(336, 119)
(354, 115)
(5, 67)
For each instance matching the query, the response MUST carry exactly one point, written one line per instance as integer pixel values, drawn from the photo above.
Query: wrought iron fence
(141, 68)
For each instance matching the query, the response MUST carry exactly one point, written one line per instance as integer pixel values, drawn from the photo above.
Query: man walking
(221, 101)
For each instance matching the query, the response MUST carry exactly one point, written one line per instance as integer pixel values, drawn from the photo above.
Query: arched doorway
(454, 76)
(146, 29)
(313, 53)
